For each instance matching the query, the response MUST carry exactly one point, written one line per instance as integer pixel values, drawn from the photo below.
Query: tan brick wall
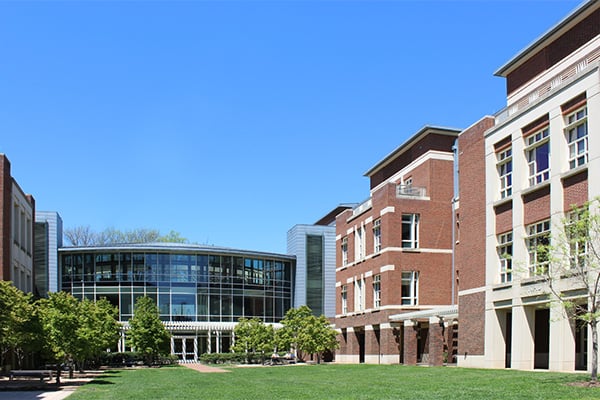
(471, 311)
(536, 206)
(575, 190)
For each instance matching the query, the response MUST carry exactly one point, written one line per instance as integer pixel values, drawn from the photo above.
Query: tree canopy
(147, 333)
(85, 236)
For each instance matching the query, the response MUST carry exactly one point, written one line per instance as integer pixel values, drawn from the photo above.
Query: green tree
(59, 315)
(574, 267)
(305, 333)
(98, 329)
(18, 324)
(317, 336)
(147, 333)
(253, 336)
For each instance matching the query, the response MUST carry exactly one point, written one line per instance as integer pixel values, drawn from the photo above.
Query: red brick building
(17, 213)
(394, 258)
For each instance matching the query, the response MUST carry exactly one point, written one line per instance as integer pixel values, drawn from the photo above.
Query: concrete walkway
(203, 368)
(37, 394)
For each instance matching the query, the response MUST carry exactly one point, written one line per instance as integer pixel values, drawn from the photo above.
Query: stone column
(372, 344)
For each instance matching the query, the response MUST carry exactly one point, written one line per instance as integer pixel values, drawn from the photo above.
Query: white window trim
(532, 143)
(504, 158)
(413, 241)
(505, 242)
(577, 159)
(535, 232)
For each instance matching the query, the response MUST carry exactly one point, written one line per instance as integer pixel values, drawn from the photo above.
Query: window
(538, 156)
(578, 236)
(410, 231)
(345, 251)
(505, 256)
(359, 294)
(537, 241)
(410, 288)
(359, 243)
(577, 137)
(377, 291)
(344, 299)
(505, 172)
(377, 235)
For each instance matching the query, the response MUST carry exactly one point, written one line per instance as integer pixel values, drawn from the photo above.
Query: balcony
(361, 208)
(410, 191)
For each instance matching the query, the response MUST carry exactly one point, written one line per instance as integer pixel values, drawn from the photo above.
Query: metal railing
(410, 190)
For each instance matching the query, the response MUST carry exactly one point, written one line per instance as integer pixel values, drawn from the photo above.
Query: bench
(38, 373)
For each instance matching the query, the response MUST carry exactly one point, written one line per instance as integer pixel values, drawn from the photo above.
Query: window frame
(344, 295)
(573, 121)
(533, 143)
(412, 278)
(377, 291)
(377, 235)
(412, 242)
(344, 248)
(538, 237)
(504, 166)
(505, 252)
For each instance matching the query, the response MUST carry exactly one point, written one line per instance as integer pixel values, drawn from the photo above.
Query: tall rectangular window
(345, 251)
(314, 273)
(410, 231)
(359, 243)
(410, 288)
(578, 236)
(377, 235)
(377, 291)
(577, 137)
(505, 256)
(538, 156)
(359, 294)
(505, 172)
(345, 299)
(537, 242)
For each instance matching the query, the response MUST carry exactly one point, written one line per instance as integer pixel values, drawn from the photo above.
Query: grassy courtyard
(334, 382)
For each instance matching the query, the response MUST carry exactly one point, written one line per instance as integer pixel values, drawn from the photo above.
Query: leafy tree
(293, 323)
(98, 329)
(574, 264)
(317, 336)
(18, 325)
(253, 336)
(147, 333)
(59, 315)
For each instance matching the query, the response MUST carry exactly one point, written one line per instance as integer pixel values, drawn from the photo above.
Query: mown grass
(334, 382)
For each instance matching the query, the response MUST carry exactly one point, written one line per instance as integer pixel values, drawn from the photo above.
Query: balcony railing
(410, 190)
(362, 207)
(549, 86)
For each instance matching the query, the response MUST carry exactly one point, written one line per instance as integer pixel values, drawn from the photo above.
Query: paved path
(37, 394)
(203, 368)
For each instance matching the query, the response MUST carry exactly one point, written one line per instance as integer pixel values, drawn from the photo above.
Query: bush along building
(539, 157)
(394, 275)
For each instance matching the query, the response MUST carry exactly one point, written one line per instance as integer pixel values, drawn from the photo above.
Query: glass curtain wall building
(201, 291)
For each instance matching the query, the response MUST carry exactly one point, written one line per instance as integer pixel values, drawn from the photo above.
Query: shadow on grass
(100, 382)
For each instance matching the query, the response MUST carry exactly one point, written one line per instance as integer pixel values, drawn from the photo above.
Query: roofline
(424, 131)
(174, 247)
(522, 55)
(331, 215)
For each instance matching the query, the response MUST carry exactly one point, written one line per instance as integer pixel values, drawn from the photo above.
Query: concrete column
(562, 341)
(523, 337)
(410, 342)
(436, 341)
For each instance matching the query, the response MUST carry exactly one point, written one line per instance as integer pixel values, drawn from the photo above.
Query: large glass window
(410, 231)
(410, 288)
(537, 242)
(505, 256)
(577, 137)
(359, 243)
(505, 172)
(314, 273)
(538, 156)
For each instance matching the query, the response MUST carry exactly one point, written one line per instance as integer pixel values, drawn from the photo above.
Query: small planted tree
(253, 336)
(147, 333)
(574, 267)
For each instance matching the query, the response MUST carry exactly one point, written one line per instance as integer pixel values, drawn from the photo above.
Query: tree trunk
(594, 370)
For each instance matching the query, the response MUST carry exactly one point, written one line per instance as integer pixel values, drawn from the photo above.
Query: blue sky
(232, 121)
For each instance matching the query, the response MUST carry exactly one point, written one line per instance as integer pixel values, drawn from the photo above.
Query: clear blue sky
(228, 121)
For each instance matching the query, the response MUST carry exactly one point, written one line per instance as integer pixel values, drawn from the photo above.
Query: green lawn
(334, 382)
